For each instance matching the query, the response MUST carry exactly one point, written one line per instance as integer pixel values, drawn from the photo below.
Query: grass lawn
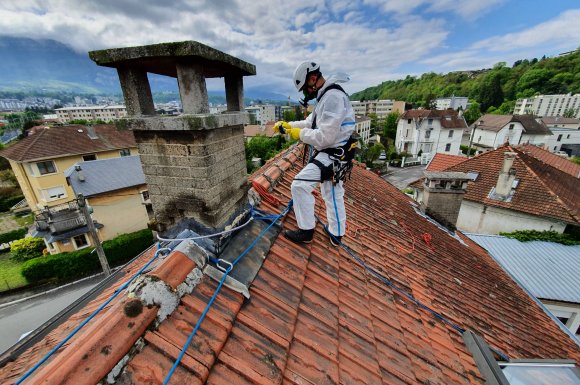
(24, 221)
(10, 276)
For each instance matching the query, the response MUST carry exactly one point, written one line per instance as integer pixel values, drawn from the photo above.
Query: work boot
(299, 236)
(334, 239)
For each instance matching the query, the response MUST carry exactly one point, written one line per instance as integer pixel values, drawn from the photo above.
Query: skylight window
(472, 175)
(497, 369)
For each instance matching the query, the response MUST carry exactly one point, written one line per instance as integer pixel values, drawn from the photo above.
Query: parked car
(383, 156)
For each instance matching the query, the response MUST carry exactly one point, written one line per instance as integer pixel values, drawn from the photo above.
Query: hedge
(13, 235)
(82, 263)
(7, 202)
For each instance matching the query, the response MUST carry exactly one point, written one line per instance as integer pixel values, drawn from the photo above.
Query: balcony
(59, 219)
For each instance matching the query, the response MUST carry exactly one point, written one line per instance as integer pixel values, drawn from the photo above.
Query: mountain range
(46, 65)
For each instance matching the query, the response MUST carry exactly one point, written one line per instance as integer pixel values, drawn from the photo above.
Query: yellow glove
(294, 133)
(281, 127)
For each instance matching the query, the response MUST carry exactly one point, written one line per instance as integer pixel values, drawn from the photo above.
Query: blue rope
(335, 211)
(123, 287)
(214, 296)
(389, 283)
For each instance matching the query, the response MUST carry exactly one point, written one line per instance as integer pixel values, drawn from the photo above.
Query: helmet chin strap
(311, 95)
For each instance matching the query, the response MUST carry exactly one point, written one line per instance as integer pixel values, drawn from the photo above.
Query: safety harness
(341, 157)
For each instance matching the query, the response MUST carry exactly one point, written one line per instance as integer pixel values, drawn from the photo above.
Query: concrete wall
(442, 206)
(494, 220)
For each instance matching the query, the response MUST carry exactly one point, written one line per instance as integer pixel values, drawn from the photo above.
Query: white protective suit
(335, 122)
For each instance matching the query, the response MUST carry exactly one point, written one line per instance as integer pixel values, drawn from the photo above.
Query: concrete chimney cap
(162, 59)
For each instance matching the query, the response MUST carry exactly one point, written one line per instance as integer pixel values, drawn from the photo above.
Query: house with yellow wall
(39, 162)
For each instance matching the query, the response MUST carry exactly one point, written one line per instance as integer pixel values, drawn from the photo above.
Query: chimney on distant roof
(442, 196)
(194, 163)
(80, 174)
(506, 177)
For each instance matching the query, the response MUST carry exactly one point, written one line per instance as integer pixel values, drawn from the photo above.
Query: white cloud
(277, 35)
(558, 31)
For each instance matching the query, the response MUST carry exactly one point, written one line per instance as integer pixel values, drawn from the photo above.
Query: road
(402, 177)
(25, 316)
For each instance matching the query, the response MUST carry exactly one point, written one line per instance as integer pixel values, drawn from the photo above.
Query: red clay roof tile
(316, 316)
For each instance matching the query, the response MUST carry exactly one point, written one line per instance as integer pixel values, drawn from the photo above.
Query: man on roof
(328, 130)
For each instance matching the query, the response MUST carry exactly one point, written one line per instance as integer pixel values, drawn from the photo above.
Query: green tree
(533, 80)
(490, 93)
(390, 125)
(373, 153)
(374, 121)
(472, 113)
(569, 113)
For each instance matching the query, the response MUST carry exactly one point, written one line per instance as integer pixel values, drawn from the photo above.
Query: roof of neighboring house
(554, 160)
(102, 176)
(531, 125)
(553, 120)
(491, 122)
(495, 123)
(448, 118)
(315, 315)
(548, 270)
(252, 130)
(58, 142)
(542, 189)
(441, 161)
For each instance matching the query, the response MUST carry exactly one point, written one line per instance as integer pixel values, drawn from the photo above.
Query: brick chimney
(506, 178)
(442, 196)
(194, 163)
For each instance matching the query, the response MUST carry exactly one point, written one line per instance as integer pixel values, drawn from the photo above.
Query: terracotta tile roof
(554, 160)
(442, 162)
(542, 190)
(314, 315)
(56, 142)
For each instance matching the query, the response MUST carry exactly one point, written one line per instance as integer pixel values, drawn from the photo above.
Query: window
(145, 195)
(80, 241)
(125, 152)
(559, 138)
(447, 147)
(450, 134)
(408, 121)
(427, 134)
(89, 157)
(511, 126)
(429, 121)
(498, 369)
(46, 167)
(53, 193)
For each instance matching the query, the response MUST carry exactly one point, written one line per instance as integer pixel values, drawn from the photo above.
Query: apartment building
(549, 105)
(453, 102)
(105, 113)
(381, 107)
(363, 127)
(263, 113)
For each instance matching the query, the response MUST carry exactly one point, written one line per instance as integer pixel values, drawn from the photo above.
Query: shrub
(547, 236)
(13, 235)
(6, 202)
(81, 263)
(27, 248)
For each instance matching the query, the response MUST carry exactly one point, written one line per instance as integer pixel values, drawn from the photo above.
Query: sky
(371, 40)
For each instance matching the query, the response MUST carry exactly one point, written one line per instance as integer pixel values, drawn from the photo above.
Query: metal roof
(106, 175)
(548, 270)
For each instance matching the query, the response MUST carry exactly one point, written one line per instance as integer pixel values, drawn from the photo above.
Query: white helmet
(302, 72)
